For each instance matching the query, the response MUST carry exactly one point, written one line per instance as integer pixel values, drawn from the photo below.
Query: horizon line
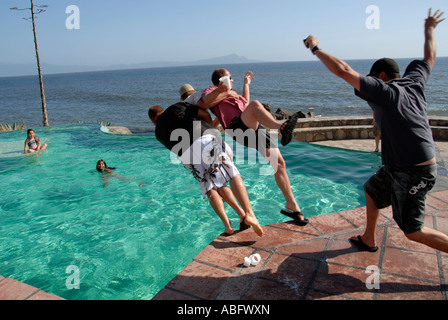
(181, 64)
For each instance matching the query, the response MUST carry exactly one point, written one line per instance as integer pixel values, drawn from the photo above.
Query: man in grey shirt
(409, 162)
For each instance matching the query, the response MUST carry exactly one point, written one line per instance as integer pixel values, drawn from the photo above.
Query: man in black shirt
(186, 131)
(408, 151)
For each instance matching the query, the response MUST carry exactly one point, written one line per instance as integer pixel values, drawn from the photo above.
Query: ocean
(123, 97)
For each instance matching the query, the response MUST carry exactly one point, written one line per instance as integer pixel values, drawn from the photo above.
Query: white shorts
(210, 163)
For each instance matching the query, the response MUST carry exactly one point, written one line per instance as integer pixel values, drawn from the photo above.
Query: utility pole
(41, 83)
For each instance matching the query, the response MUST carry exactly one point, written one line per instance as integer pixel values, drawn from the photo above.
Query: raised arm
(430, 40)
(335, 65)
(246, 90)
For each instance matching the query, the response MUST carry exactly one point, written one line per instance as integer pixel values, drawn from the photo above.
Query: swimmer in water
(102, 167)
(32, 143)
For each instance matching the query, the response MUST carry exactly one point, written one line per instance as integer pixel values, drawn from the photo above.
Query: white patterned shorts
(210, 163)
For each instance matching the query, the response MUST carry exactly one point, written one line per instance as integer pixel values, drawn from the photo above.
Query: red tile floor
(318, 262)
(11, 289)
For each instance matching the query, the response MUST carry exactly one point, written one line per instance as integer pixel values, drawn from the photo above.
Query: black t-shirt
(400, 111)
(178, 127)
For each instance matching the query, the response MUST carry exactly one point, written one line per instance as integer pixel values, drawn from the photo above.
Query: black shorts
(259, 139)
(405, 189)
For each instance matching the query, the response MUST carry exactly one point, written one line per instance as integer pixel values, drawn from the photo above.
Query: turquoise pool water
(128, 241)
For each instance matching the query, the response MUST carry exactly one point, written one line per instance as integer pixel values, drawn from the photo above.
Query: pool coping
(11, 289)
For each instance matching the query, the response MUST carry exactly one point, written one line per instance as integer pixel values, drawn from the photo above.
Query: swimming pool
(128, 241)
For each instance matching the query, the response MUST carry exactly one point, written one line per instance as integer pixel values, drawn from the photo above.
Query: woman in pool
(32, 143)
(102, 167)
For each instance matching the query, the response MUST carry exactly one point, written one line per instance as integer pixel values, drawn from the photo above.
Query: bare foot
(252, 221)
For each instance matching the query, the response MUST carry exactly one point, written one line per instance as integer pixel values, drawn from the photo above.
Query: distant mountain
(229, 59)
(11, 70)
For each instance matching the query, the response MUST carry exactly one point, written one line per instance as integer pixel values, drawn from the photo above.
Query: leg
(43, 147)
(377, 134)
(369, 236)
(240, 192)
(228, 197)
(202, 175)
(378, 192)
(255, 114)
(217, 205)
(414, 211)
(377, 144)
(282, 178)
(432, 238)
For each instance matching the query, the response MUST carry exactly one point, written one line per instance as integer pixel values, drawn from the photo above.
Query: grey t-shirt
(399, 107)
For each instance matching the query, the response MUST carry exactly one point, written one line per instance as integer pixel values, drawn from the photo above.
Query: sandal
(295, 215)
(288, 129)
(362, 246)
(243, 225)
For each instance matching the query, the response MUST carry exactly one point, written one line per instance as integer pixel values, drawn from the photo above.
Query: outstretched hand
(430, 40)
(433, 19)
(248, 77)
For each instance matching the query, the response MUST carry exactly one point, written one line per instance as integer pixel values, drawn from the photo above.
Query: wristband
(315, 49)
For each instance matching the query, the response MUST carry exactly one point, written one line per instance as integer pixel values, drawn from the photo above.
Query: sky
(136, 31)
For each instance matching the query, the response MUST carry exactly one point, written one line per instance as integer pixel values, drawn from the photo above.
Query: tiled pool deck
(11, 289)
(312, 262)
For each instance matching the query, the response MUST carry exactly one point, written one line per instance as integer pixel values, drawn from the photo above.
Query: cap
(389, 66)
(185, 88)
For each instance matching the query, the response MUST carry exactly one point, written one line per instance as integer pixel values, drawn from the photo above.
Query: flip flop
(288, 130)
(362, 246)
(295, 215)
